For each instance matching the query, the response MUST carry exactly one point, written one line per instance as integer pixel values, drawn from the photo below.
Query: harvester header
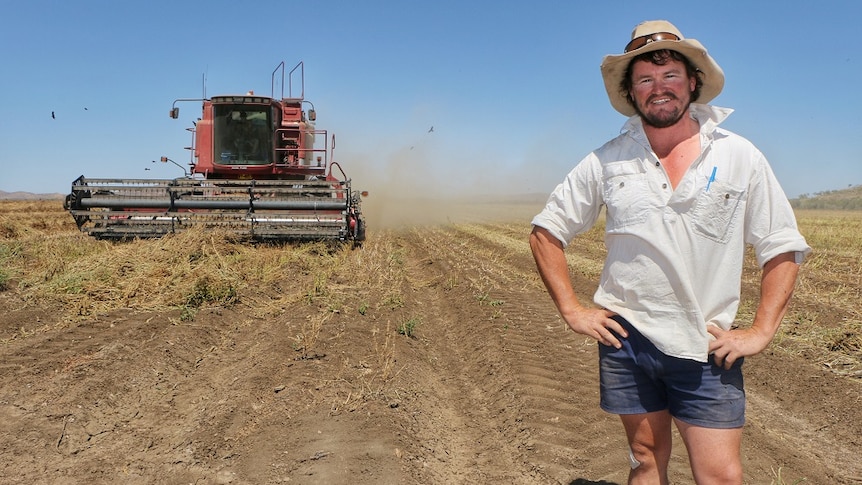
(259, 168)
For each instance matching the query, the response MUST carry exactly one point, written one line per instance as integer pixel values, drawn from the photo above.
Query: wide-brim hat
(651, 36)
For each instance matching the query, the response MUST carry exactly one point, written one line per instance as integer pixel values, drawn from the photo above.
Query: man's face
(661, 93)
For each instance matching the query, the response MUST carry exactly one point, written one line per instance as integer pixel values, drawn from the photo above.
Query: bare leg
(649, 438)
(714, 454)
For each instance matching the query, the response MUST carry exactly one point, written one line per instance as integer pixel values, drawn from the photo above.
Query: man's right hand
(596, 323)
(551, 263)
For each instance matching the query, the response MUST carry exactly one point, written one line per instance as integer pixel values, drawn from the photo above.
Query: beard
(662, 118)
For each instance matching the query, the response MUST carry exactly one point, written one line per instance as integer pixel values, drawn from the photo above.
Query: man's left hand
(730, 345)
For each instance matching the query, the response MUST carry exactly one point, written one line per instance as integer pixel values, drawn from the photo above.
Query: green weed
(408, 328)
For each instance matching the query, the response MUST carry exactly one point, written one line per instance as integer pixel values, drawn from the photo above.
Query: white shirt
(674, 260)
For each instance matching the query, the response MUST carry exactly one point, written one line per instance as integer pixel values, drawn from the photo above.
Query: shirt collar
(708, 116)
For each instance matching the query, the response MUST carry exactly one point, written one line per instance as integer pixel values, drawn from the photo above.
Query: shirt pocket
(625, 194)
(716, 209)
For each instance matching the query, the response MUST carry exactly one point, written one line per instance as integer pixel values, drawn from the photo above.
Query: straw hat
(654, 35)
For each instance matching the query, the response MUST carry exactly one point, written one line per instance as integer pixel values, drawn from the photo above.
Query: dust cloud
(416, 186)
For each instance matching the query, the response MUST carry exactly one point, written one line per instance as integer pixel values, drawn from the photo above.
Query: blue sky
(513, 89)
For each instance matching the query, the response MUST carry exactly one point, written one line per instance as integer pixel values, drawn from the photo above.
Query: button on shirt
(674, 261)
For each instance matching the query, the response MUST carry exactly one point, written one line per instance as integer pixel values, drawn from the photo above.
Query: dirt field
(432, 355)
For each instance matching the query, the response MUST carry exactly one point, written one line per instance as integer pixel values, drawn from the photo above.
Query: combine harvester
(256, 172)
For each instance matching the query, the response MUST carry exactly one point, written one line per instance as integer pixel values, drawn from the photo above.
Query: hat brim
(614, 68)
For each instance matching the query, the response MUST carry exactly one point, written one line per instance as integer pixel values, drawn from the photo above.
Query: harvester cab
(259, 168)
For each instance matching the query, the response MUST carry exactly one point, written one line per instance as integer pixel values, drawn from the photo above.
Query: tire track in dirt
(558, 371)
(463, 423)
(562, 435)
(547, 369)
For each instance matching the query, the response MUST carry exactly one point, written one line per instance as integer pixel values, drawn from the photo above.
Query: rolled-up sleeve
(575, 204)
(770, 222)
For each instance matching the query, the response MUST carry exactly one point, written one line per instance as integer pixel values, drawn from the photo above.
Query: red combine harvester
(256, 172)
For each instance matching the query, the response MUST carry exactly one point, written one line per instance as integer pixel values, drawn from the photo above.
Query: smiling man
(683, 198)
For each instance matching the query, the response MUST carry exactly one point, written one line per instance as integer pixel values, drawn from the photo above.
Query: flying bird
(52, 116)
(430, 130)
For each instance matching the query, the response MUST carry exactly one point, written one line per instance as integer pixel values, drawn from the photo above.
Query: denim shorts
(638, 378)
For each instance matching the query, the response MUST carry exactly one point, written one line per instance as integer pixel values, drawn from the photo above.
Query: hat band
(643, 40)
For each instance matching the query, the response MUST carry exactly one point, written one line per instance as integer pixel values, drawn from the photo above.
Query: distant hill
(28, 196)
(844, 199)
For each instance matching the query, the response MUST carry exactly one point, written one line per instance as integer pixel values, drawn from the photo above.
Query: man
(246, 138)
(683, 197)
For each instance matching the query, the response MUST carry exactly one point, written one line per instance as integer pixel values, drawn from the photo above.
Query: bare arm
(776, 287)
(551, 263)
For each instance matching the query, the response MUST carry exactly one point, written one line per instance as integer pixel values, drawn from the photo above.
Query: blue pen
(711, 178)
